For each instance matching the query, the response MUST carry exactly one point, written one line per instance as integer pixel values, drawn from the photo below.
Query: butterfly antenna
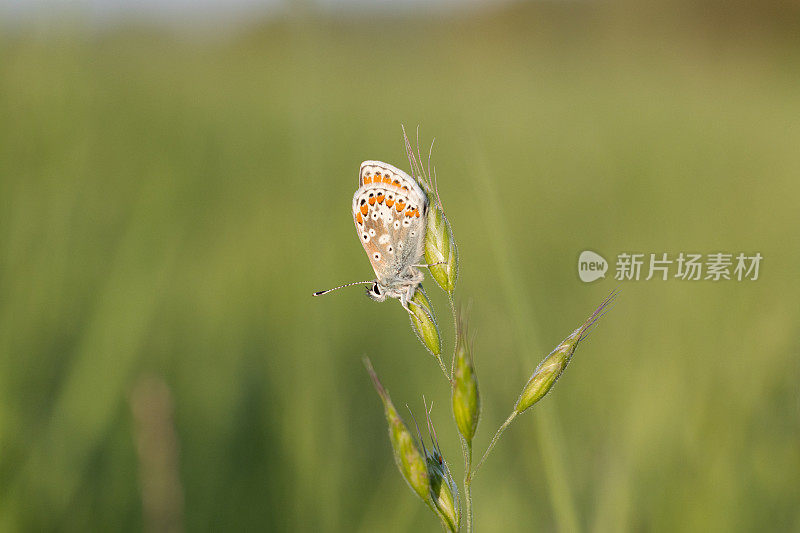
(320, 293)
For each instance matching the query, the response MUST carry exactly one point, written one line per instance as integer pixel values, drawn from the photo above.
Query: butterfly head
(377, 292)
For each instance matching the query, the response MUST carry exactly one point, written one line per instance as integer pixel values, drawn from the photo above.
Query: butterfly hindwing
(378, 172)
(389, 210)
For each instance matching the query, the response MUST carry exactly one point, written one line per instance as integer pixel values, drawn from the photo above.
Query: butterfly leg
(404, 302)
(431, 264)
(418, 305)
(405, 297)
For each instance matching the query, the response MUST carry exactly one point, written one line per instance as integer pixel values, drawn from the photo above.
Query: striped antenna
(320, 293)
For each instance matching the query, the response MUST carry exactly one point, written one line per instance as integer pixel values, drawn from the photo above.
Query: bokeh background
(174, 183)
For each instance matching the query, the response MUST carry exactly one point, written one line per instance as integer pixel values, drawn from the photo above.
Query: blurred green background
(170, 199)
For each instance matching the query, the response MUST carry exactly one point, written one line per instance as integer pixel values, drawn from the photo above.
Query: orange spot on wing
(372, 201)
(359, 218)
(400, 205)
(380, 198)
(364, 209)
(387, 180)
(389, 202)
(367, 179)
(416, 213)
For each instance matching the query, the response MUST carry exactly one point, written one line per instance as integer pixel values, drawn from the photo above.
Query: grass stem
(467, 449)
(492, 444)
(444, 369)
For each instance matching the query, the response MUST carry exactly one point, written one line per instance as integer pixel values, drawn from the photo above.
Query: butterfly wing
(389, 211)
(378, 172)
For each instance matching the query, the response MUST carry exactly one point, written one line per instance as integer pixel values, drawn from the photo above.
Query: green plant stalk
(466, 448)
(455, 332)
(447, 375)
(469, 472)
(492, 444)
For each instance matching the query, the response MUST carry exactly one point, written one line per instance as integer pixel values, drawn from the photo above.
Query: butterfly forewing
(389, 211)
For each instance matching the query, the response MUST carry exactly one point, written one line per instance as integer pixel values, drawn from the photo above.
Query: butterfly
(390, 212)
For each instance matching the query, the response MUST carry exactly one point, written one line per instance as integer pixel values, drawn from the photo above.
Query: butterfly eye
(376, 290)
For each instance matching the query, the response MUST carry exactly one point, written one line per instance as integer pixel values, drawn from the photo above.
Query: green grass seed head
(444, 490)
(442, 493)
(423, 322)
(440, 247)
(466, 400)
(552, 366)
(407, 456)
(546, 374)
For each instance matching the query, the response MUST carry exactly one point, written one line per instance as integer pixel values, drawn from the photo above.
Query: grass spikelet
(424, 324)
(441, 251)
(407, 456)
(552, 366)
(465, 397)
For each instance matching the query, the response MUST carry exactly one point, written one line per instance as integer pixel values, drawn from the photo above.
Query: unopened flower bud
(466, 401)
(407, 456)
(551, 368)
(423, 322)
